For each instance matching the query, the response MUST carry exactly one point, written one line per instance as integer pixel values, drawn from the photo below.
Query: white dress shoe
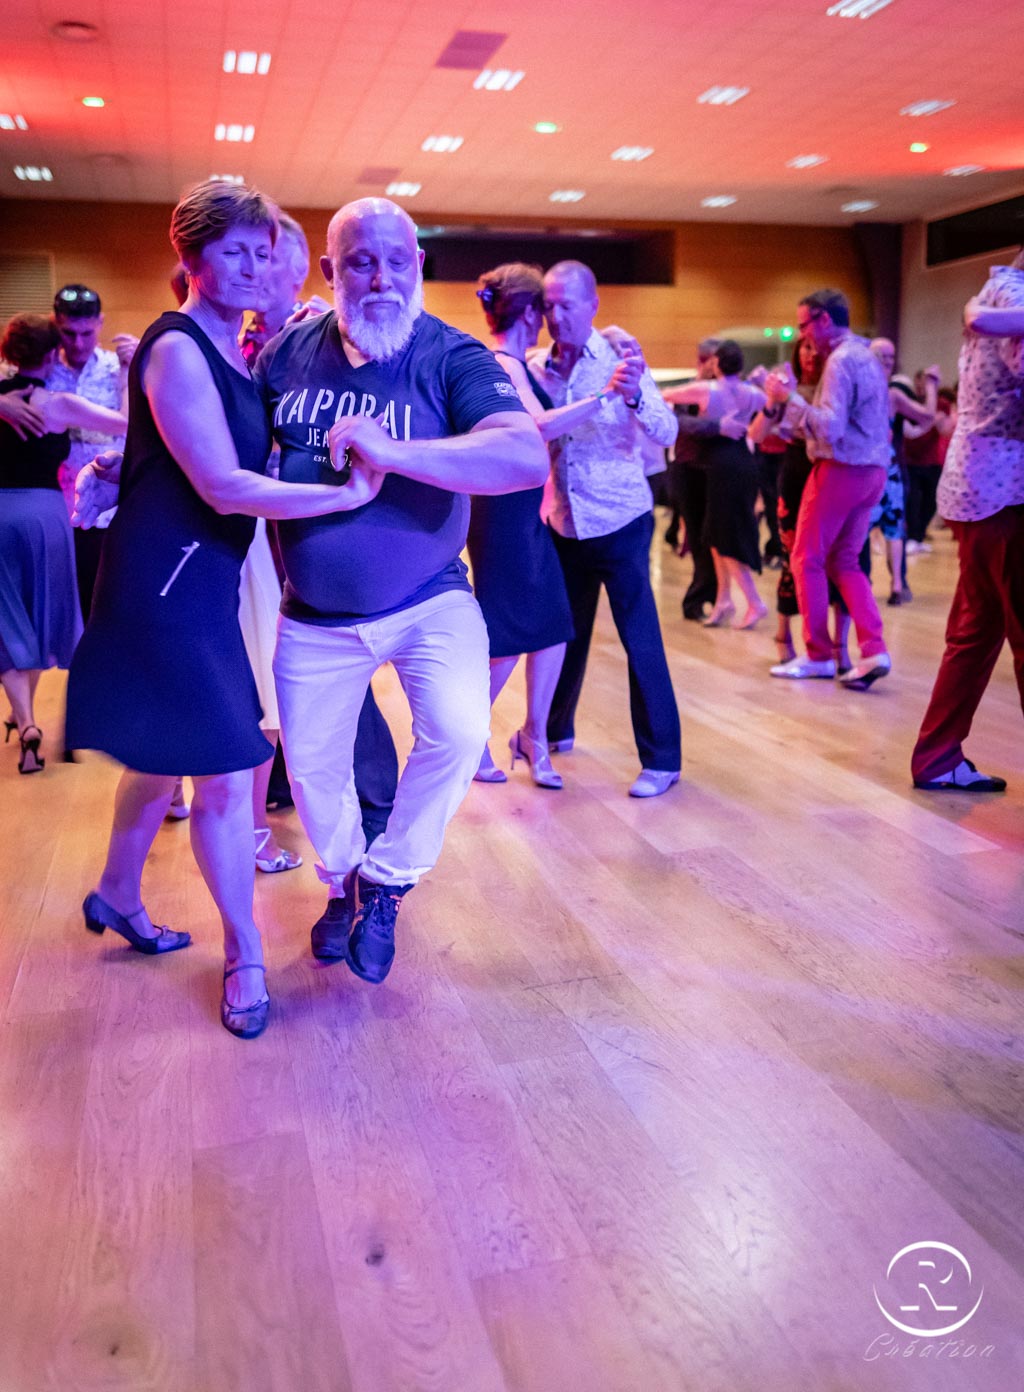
(652, 783)
(800, 668)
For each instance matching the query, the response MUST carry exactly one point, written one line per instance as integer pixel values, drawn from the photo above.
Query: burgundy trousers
(988, 609)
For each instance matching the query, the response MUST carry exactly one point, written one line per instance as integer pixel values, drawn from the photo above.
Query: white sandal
(284, 860)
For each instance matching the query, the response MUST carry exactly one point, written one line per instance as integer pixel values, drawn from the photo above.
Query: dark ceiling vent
(470, 48)
(378, 174)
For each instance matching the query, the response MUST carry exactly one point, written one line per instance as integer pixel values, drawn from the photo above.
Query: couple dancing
(373, 510)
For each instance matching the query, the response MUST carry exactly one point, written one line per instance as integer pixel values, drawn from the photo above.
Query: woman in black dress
(160, 679)
(730, 523)
(40, 620)
(517, 577)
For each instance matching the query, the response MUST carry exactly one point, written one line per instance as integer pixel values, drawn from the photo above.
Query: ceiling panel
(356, 84)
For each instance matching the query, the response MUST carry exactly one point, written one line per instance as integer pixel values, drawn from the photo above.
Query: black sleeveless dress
(517, 577)
(161, 680)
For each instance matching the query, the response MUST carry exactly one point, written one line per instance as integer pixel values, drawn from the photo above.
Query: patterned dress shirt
(984, 470)
(101, 382)
(598, 481)
(848, 419)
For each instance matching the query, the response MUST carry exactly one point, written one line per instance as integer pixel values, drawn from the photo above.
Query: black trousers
(924, 484)
(620, 562)
(768, 483)
(693, 495)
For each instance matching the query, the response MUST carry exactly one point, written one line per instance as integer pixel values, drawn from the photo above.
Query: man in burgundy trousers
(981, 495)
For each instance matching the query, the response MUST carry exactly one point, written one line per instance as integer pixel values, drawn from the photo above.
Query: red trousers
(835, 514)
(988, 609)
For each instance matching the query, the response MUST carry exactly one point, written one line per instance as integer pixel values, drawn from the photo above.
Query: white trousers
(439, 650)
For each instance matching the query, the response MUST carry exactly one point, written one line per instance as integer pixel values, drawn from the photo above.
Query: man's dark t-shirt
(403, 547)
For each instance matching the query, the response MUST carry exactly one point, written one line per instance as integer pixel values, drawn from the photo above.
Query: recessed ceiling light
(919, 147)
(234, 133)
(93, 101)
(718, 200)
(75, 31)
(806, 161)
(925, 108)
(246, 61)
(723, 96)
(546, 127)
(632, 152)
(859, 205)
(227, 178)
(442, 144)
(960, 171)
(35, 174)
(498, 80)
(567, 195)
(857, 9)
(400, 189)
(12, 122)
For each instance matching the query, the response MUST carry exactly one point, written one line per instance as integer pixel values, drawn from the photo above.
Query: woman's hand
(18, 412)
(361, 487)
(364, 445)
(96, 489)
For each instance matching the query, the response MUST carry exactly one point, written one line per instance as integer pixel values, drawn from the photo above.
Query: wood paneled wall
(727, 275)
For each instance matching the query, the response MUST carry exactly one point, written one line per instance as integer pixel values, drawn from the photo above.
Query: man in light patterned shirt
(100, 376)
(981, 495)
(598, 503)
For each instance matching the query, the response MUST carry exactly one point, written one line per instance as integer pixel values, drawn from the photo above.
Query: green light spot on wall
(769, 333)
(786, 332)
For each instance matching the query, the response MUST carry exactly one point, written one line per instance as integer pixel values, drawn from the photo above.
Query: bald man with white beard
(427, 410)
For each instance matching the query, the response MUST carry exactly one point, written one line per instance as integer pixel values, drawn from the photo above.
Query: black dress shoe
(965, 778)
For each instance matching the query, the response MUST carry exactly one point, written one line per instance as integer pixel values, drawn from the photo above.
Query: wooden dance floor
(654, 1096)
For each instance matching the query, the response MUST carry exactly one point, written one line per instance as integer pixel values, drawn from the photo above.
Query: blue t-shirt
(403, 547)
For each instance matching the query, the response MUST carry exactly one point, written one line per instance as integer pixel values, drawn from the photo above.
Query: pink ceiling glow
(361, 86)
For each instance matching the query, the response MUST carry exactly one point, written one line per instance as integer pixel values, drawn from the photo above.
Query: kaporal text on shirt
(294, 409)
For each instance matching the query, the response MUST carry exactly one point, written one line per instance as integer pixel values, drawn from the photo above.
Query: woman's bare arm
(190, 417)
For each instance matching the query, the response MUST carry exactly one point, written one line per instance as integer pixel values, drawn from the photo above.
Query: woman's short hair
(507, 291)
(207, 211)
(28, 338)
(729, 356)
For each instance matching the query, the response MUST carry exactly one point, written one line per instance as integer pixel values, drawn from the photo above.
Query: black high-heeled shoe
(99, 915)
(30, 761)
(10, 726)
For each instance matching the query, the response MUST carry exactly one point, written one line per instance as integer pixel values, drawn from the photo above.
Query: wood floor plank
(260, 1253)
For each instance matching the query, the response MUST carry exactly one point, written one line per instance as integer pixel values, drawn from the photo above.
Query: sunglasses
(69, 297)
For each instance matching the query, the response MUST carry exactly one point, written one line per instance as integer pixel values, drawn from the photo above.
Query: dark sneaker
(371, 948)
(329, 936)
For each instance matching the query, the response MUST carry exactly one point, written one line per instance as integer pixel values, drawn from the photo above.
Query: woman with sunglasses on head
(160, 679)
(40, 619)
(517, 577)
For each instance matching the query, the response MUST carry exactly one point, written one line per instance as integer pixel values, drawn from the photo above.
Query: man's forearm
(491, 459)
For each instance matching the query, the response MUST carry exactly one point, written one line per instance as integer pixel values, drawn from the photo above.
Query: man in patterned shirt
(598, 504)
(981, 496)
(100, 376)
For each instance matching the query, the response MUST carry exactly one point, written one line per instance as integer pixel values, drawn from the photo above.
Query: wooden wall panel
(726, 275)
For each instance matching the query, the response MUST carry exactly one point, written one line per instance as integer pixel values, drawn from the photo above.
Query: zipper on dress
(188, 551)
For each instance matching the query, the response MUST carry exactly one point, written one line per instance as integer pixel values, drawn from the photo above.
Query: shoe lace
(378, 912)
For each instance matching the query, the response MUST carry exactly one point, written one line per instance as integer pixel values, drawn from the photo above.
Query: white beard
(378, 342)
